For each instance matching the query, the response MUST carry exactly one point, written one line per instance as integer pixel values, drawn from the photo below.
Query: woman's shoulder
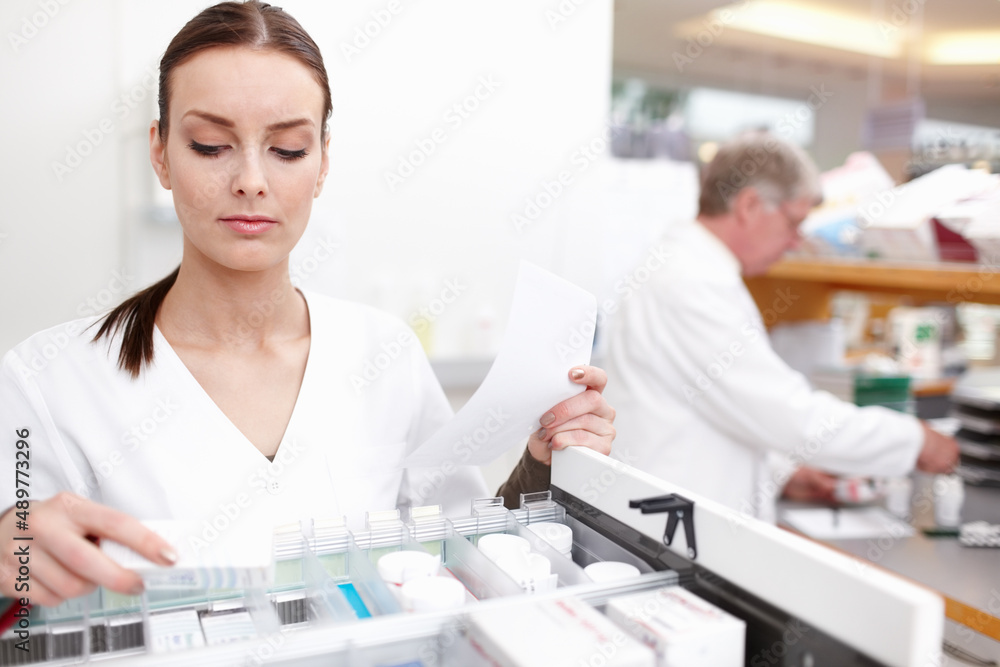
(67, 343)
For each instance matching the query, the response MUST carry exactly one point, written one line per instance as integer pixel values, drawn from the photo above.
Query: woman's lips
(248, 224)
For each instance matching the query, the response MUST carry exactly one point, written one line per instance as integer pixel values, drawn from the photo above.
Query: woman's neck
(206, 308)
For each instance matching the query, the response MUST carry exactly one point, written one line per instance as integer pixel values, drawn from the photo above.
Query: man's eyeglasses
(794, 222)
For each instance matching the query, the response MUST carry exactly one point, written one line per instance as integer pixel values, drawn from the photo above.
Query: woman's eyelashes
(215, 151)
(206, 150)
(288, 156)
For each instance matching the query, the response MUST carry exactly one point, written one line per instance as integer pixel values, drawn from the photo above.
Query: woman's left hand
(585, 420)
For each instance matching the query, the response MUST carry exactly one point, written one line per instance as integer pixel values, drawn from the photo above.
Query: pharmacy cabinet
(652, 575)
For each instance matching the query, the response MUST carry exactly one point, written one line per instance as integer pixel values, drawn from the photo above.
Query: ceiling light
(964, 48)
(812, 25)
(707, 151)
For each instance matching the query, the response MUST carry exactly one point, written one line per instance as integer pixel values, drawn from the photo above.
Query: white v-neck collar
(164, 351)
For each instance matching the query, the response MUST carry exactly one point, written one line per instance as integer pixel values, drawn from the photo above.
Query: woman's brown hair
(255, 25)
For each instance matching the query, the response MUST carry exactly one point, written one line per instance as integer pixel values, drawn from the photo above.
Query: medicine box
(863, 388)
(228, 559)
(685, 630)
(554, 633)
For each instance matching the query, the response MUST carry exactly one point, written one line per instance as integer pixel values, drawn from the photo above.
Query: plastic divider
(328, 602)
(483, 579)
(57, 625)
(590, 547)
(492, 517)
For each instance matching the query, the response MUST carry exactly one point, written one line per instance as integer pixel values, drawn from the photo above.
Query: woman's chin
(244, 263)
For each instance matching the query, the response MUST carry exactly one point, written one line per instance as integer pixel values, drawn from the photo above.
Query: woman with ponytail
(222, 394)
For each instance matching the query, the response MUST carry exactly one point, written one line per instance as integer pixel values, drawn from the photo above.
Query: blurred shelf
(800, 289)
(927, 388)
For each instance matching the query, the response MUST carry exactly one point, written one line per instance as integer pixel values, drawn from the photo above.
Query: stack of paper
(897, 221)
(854, 523)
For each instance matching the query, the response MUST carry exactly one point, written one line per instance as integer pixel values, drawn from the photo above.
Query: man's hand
(810, 485)
(939, 454)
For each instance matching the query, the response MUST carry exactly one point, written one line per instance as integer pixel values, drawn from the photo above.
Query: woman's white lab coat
(157, 447)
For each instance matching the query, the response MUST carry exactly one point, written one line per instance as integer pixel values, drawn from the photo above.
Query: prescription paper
(846, 524)
(551, 330)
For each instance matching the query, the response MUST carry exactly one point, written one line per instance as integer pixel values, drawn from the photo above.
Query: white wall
(61, 238)
(449, 220)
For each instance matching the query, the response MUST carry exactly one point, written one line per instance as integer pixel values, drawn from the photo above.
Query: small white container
(610, 570)
(949, 494)
(559, 535)
(400, 567)
(498, 544)
(898, 495)
(516, 564)
(533, 572)
(432, 594)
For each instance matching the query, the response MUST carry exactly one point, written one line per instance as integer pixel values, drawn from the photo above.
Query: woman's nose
(250, 179)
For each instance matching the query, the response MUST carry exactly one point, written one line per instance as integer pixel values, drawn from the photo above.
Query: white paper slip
(848, 524)
(226, 628)
(206, 558)
(551, 330)
(175, 630)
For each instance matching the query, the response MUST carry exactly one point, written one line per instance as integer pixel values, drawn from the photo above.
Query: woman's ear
(324, 167)
(158, 155)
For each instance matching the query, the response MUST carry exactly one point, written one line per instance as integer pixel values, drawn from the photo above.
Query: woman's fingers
(589, 402)
(66, 562)
(587, 430)
(591, 376)
(104, 522)
(82, 557)
(57, 581)
(601, 445)
(584, 420)
(86, 560)
(588, 423)
(40, 594)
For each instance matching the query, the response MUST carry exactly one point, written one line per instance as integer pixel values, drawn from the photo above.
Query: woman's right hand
(63, 560)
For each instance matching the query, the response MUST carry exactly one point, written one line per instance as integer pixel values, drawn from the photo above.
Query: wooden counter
(800, 289)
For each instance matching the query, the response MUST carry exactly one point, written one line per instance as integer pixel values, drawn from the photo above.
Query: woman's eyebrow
(225, 122)
(211, 118)
(288, 124)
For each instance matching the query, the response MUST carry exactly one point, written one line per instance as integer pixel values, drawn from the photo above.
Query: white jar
(898, 496)
(949, 494)
(498, 544)
(432, 594)
(610, 570)
(400, 567)
(559, 535)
